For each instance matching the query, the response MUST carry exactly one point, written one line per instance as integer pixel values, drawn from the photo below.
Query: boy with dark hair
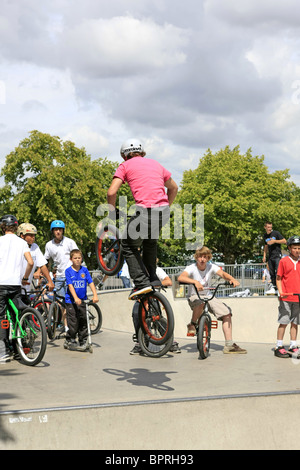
(273, 241)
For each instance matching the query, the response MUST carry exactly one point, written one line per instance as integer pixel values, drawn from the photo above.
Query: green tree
(46, 179)
(239, 194)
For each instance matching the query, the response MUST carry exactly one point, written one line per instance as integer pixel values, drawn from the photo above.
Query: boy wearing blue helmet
(59, 249)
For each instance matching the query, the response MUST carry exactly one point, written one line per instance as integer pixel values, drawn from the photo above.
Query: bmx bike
(27, 332)
(205, 324)
(156, 318)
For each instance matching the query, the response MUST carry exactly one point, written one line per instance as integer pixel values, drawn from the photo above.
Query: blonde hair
(203, 251)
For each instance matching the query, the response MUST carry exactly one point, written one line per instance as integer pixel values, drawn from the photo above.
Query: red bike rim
(149, 332)
(100, 257)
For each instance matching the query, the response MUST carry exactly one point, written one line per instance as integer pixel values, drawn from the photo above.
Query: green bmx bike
(27, 333)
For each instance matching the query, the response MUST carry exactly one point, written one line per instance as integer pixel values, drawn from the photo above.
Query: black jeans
(77, 322)
(142, 232)
(273, 266)
(6, 292)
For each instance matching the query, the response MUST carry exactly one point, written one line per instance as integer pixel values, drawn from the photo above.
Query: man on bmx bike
(147, 180)
(199, 274)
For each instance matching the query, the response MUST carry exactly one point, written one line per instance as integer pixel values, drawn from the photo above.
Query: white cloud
(97, 143)
(123, 46)
(181, 76)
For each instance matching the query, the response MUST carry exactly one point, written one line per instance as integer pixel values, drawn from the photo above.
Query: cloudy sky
(181, 76)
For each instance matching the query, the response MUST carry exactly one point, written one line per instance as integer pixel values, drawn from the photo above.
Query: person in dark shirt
(273, 241)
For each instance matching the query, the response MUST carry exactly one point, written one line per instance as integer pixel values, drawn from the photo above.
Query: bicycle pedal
(191, 334)
(214, 325)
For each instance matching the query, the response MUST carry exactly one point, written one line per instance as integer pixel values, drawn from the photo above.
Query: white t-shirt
(124, 271)
(39, 260)
(203, 277)
(12, 250)
(60, 253)
(160, 273)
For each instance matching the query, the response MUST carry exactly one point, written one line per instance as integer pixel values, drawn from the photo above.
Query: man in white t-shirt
(12, 252)
(28, 232)
(59, 249)
(199, 275)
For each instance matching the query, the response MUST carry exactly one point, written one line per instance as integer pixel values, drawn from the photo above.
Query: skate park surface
(111, 400)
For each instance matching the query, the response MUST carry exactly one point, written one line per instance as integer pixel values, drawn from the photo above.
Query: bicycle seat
(19, 303)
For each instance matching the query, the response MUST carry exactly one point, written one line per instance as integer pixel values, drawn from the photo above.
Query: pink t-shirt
(146, 179)
(289, 271)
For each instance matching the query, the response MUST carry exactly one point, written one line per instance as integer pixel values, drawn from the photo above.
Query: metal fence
(250, 277)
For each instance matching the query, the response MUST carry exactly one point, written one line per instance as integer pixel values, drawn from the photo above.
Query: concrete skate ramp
(254, 318)
(111, 400)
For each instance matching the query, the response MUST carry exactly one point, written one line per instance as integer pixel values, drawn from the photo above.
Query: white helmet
(25, 229)
(130, 146)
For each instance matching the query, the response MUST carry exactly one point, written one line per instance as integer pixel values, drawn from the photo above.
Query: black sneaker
(136, 350)
(71, 344)
(175, 349)
(294, 352)
(281, 352)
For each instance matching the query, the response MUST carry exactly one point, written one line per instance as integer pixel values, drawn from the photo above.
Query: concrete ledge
(208, 424)
(254, 318)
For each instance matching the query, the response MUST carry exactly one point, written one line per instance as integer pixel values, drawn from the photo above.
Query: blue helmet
(57, 224)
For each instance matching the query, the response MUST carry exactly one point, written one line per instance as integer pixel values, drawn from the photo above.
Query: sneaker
(70, 344)
(135, 292)
(234, 349)
(136, 350)
(294, 352)
(175, 349)
(82, 346)
(191, 330)
(5, 358)
(281, 352)
(271, 291)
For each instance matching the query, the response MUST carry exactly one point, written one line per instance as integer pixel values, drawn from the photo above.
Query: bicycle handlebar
(214, 289)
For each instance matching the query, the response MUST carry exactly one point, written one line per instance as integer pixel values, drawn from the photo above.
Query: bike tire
(95, 317)
(156, 317)
(31, 340)
(108, 250)
(153, 350)
(203, 336)
(43, 308)
(53, 316)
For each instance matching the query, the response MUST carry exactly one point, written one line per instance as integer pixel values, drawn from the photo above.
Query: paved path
(112, 400)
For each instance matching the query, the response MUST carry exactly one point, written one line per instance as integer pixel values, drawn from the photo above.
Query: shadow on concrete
(143, 378)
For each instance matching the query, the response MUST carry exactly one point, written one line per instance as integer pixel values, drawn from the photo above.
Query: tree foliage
(239, 195)
(47, 179)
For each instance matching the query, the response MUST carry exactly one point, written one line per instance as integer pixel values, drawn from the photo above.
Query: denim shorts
(60, 286)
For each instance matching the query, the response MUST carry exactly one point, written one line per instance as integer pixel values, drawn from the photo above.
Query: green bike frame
(13, 326)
